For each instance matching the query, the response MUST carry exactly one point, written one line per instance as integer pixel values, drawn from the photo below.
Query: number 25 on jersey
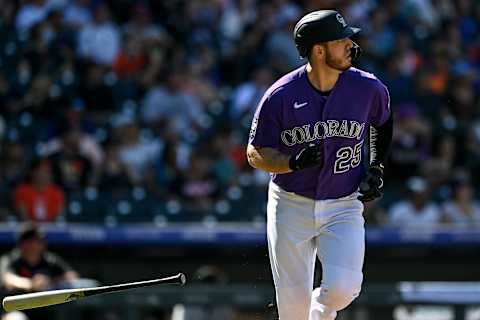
(348, 158)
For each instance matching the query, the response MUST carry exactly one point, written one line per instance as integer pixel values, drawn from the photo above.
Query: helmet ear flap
(302, 50)
(355, 51)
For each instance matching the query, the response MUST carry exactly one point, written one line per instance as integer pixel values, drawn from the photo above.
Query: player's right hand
(371, 187)
(310, 156)
(41, 282)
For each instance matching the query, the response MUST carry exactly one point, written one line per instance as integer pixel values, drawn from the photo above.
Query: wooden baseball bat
(52, 297)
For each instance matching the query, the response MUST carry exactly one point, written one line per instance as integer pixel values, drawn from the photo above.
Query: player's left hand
(371, 187)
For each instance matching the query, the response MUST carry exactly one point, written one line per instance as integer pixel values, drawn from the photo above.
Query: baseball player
(309, 132)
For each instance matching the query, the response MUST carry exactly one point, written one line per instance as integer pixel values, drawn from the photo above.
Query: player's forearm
(13, 282)
(380, 142)
(268, 159)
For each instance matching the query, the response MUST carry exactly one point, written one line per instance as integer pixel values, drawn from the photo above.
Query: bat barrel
(41, 299)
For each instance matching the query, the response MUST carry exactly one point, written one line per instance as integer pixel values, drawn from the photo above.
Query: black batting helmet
(322, 26)
(28, 231)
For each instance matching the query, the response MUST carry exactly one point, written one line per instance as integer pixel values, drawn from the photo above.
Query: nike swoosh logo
(299, 105)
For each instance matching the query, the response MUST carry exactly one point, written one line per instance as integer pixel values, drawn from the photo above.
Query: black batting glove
(371, 187)
(307, 157)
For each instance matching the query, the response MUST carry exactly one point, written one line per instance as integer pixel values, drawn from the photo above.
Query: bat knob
(183, 279)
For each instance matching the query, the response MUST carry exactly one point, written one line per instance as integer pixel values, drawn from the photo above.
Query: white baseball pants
(300, 228)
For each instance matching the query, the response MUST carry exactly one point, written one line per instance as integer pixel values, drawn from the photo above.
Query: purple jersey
(292, 114)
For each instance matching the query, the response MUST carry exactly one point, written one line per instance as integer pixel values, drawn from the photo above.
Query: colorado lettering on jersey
(321, 130)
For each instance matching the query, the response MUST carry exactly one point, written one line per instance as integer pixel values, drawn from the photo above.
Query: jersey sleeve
(380, 111)
(265, 128)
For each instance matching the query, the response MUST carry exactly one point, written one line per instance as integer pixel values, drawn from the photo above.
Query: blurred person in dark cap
(418, 210)
(440, 166)
(206, 275)
(462, 210)
(76, 156)
(410, 143)
(29, 267)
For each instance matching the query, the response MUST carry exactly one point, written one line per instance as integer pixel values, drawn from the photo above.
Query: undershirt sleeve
(380, 141)
(381, 126)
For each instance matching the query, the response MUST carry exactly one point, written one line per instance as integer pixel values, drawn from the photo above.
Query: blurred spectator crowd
(139, 111)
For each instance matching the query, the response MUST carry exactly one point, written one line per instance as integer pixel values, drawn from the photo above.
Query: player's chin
(346, 65)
